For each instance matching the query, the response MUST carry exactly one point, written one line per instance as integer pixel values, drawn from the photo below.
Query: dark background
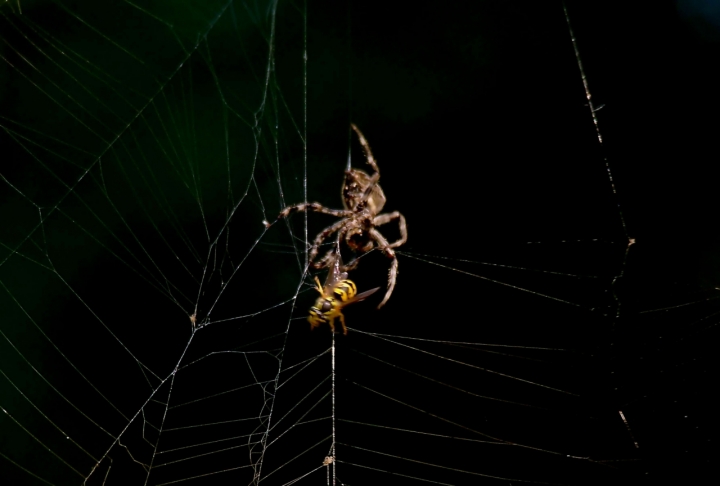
(144, 144)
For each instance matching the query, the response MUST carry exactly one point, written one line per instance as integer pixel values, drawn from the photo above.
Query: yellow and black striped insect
(337, 292)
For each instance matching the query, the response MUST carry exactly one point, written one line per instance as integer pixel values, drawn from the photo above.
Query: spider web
(155, 330)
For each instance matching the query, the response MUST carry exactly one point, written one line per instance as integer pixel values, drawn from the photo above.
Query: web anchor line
(593, 114)
(627, 425)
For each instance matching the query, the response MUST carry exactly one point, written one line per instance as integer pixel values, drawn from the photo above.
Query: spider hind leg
(388, 252)
(402, 226)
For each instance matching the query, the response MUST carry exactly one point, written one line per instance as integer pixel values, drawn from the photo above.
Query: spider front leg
(332, 252)
(388, 252)
(317, 207)
(319, 239)
(325, 260)
(366, 148)
(351, 265)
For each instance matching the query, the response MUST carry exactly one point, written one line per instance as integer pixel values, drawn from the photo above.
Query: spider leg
(317, 207)
(321, 237)
(366, 148)
(392, 276)
(388, 251)
(330, 255)
(386, 218)
(325, 260)
(351, 265)
(370, 159)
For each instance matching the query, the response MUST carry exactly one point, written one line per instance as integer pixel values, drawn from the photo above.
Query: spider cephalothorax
(363, 200)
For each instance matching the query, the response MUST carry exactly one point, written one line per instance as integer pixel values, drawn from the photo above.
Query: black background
(121, 120)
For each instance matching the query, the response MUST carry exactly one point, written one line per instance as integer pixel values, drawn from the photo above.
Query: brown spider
(363, 200)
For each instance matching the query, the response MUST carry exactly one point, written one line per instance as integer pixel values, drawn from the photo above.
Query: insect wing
(335, 274)
(361, 296)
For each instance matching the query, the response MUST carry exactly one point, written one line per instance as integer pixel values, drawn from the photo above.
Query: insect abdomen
(345, 290)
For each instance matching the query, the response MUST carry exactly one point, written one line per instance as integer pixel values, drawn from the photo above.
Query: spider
(363, 200)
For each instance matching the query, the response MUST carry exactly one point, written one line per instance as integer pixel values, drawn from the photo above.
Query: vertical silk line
(258, 465)
(305, 60)
(334, 458)
(350, 84)
(593, 114)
